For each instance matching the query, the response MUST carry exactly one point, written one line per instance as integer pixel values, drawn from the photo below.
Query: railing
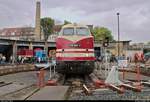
(10, 38)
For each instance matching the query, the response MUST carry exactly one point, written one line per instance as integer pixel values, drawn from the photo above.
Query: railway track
(106, 93)
(19, 93)
(83, 88)
(4, 84)
(78, 84)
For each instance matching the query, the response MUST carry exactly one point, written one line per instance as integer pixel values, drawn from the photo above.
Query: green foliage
(66, 22)
(100, 33)
(148, 43)
(47, 24)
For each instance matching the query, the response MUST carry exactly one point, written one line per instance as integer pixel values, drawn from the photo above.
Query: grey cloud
(134, 14)
(16, 12)
(92, 6)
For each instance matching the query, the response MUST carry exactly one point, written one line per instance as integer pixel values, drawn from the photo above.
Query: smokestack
(37, 20)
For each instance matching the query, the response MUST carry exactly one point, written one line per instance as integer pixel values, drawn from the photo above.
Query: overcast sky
(134, 14)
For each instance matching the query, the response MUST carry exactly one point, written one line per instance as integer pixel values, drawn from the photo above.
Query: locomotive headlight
(58, 55)
(87, 55)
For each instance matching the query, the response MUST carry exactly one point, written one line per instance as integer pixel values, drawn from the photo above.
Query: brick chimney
(37, 31)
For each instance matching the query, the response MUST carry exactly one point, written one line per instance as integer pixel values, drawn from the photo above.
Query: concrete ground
(50, 93)
(26, 78)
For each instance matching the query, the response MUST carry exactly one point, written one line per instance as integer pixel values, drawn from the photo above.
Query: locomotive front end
(75, 50)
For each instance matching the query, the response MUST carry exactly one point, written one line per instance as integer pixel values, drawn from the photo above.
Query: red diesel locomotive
(75, 50)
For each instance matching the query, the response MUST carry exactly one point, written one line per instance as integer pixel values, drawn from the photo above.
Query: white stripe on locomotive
(74, 54)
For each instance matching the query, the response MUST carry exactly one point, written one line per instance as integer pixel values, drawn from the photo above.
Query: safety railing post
(123, 73)
(138, 73)
(54, 69)
(40, 78)
(50, 72)
(138, 84)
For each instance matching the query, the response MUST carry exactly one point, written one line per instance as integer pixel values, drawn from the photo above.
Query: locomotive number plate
(74, 45)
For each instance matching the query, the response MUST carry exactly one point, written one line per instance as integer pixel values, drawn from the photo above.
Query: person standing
(10, 59)
(39, 59)
(3, 59)
(0, 59)
(19, 58)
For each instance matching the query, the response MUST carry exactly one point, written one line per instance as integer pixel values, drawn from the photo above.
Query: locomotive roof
(74, 25)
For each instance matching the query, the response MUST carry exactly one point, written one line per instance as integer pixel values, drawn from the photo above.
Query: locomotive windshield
(68, 31)
(82, 31)
(75, 31)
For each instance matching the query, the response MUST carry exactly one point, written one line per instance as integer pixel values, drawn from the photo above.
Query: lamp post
(118, 35)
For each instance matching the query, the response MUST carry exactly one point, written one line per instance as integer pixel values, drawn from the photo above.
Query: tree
(66, 22)
(100, 33)
(148, 43)
(47, 25)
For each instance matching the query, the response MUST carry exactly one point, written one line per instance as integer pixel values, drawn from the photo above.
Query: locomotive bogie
(72, 67)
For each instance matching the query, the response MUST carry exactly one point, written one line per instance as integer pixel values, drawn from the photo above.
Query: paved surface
(26, 78)
(20, 94)
(10, 88)
(50, 93)
(19, 80)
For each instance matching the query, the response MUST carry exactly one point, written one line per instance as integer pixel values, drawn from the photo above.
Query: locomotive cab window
(82, 31)
(68, 31)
